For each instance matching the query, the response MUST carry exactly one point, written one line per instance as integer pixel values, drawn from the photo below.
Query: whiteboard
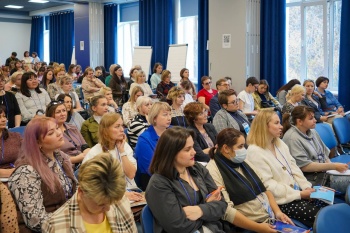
(142, 56)
(177, 57)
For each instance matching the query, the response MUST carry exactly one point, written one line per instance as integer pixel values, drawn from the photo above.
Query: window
(187, 33)
(128, 34)
(313, 32)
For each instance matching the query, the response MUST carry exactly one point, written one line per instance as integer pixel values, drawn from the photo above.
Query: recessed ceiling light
(38, 1)
(14, 6)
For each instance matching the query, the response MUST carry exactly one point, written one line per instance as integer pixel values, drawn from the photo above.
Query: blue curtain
(344, 55)
(203, 35)
(156, 28)
(111, 38)
(37, 36)
(273, 43)
(61, 26)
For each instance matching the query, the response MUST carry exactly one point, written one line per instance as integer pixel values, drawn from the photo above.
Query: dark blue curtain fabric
(273, 43)
(61, 26)
(203, 35)
(344, 55)
(156, 28)
(111, 38)
(37, 36)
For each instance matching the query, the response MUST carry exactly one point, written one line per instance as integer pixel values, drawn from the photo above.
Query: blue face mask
(241, 154)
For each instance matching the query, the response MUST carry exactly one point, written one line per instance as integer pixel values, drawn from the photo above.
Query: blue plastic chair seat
(341, 159)
(147, 220)
(333, 218)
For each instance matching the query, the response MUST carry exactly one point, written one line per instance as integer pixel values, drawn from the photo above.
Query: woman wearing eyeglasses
(31, 99)
(74, 143)
(308, 149)
(229, 116)
(205, 95)
(205, 133)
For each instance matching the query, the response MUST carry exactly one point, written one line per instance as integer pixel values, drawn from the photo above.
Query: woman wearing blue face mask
(250, 205)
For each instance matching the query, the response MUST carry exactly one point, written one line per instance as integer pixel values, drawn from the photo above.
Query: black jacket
(199, 142)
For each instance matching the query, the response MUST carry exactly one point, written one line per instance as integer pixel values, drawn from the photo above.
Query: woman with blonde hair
(294, 97)
(99, 202)
(112, 105)
(177, 96)
(159, 118)
(129, 109)
(278, 169)
(66, 87)
(140, 79)
(140, 123)
(112, 140)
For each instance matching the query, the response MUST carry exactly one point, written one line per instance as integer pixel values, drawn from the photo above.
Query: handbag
(267, 104)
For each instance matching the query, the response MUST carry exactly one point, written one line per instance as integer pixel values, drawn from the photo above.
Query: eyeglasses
(207, 83)
(224, 84)
(234, 102)
(55, 102)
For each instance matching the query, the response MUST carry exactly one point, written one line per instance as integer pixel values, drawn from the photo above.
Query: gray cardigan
(223, 120)
(305, 148)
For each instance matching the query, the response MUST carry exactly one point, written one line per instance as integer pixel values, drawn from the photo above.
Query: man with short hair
(246, 100)
(221, 85)
(13, 57)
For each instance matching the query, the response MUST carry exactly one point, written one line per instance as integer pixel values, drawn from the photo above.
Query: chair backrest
(333, 218)
(347, 195)
(18, 130)
(147, 220)
(326, 133)
(341, 128)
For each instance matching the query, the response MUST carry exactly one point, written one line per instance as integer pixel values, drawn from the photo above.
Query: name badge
(246, 127)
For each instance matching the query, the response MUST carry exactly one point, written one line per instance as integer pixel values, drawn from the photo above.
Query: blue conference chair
(333, 218)
(18, 130)
(326, 133)
(147, 220)
(341, 128)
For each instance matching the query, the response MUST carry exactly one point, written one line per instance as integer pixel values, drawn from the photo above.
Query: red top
(204, 93)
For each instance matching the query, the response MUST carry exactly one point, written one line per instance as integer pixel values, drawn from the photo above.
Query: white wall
(228, 17)
(15, 37)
